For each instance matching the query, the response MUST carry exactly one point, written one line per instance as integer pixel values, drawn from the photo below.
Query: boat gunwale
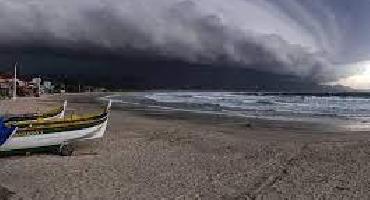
(62, 121)
(35, 116)
(51, 130)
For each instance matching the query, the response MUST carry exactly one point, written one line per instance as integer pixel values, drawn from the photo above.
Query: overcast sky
(324, 40)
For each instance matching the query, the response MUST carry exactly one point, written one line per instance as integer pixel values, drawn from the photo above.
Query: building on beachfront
(47, 87)
(5, 85)
(26, 86)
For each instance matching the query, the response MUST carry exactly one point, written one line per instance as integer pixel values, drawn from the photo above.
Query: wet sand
(155, 155)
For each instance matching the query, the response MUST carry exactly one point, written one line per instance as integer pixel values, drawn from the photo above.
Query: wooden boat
(58, 133)
(50, 115)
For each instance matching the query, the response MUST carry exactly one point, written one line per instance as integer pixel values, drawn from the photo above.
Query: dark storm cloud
(286, 37)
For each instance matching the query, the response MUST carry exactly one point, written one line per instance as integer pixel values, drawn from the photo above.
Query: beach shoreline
(145, 155)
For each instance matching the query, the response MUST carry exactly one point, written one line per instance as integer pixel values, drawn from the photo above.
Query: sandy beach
(150, 155)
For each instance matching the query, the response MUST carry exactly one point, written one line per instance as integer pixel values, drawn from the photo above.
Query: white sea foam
(273, 107)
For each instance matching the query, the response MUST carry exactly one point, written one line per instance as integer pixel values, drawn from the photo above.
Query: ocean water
(350, 111)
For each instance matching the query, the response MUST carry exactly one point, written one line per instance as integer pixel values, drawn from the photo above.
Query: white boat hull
(100, 134)
(52, 139)
(57, 138)
(60, 115)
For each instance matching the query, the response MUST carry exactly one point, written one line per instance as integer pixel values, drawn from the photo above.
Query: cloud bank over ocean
(293, 37)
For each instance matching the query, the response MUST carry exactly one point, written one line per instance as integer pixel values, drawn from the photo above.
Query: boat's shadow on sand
(30, 152)
(80, 149)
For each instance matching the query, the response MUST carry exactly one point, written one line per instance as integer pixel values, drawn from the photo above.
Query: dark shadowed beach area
(151, 154)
